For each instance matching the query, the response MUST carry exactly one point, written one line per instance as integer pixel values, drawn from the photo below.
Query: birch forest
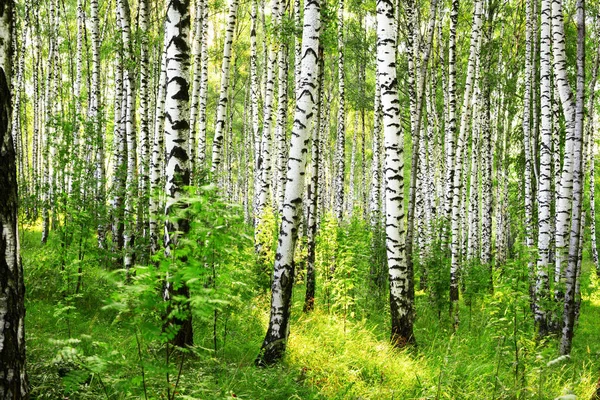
(299, 199)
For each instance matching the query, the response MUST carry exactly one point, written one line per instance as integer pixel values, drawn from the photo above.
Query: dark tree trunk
(13, 380)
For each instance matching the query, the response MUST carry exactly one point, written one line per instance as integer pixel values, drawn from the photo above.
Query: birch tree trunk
(222, 104)
(591, 129)
(35, 151)
(375, 201)
(473, 210)
(297, 43)
(264, 161)
(458, 165)
(119, 154)
(93, 114)
(352, 177)
(75, 167)
(197, 81)
(130, 136)
(529, 82)
(17, 135)
(486, 156)
(143, 170)
(313, 193)
(401, 292)
(571, 273)
(450, 136)
(157, 167)
(280, 131)
(254, 97)
(201, 153)
(545, 178)
(49, 131)
(565, 189)
(340, 154)
(177, 129)
(274, 345)
(13, 379)
(416, 130)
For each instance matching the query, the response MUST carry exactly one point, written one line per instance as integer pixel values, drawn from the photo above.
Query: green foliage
(266, 238)
(326, 259)
(435, 272)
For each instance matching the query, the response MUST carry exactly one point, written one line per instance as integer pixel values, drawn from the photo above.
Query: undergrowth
(106, 340)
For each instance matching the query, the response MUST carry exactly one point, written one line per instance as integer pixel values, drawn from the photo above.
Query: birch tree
(529, 82)
(93, 113)
(375, 200)
(13, 379)
(157, 167)
(264, 159)
(313, 193)
(143, 165)
(401, 292)
(274, 344)
(458, 164)
(128, 115)
(565, 188)
(544, 183)
(177, 161)
(572, 273)
(340, 154)
(201, 153)
(222, 104)
(196, 79)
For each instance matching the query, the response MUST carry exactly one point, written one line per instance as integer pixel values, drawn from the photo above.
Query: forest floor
(78, 348)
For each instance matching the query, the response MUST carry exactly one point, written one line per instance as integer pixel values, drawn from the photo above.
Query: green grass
(79, 349)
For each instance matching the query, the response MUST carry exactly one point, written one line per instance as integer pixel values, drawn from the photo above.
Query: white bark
(280, 132)
(144, 118)
(545, 178)
(177, 128)
(401, 301)
(458, 165)
(375, 201)
(222, 104)
(565, 189)
(572, 270)
(274, 344)
(93, 115)
(157, 167)
(197, 80)
(340, 154)
(264, 161)
(201, 153)
(13, 380)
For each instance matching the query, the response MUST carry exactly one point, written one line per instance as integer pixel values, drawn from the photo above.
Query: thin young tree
(340, 154)
(201, 153)
(128, 117)
(459, 157)
(196, 79)
(544, 196)
(527, 134)
(222, 104)
(157, 167)
(143, 171)
(313, 194)
(94, 117)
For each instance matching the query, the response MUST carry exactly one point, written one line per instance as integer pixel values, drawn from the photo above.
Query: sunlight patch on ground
(351, 362)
